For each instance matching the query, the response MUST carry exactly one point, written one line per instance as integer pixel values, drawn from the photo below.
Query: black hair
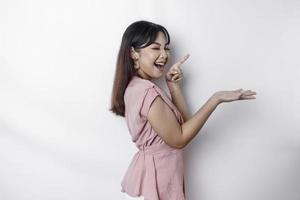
(138, 35)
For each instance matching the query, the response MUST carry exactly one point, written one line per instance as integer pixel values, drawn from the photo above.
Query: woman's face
(153, 58)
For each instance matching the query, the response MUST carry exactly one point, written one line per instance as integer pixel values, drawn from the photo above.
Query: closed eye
(159, 48)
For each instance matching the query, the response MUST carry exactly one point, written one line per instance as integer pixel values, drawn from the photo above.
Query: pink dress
(156, 170)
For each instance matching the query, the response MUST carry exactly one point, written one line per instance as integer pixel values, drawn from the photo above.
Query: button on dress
(156, 170)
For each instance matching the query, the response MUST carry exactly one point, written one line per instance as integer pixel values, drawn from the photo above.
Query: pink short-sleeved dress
(156, 171)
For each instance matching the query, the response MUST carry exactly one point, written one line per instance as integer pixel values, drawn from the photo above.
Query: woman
(160, 127)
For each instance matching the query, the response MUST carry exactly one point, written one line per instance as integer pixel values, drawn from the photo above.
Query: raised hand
(174, 74)
(240, 94)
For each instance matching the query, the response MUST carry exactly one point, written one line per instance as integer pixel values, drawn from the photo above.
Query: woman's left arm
(178, 99)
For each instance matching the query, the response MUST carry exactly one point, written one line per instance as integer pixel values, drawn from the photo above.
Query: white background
(58, 141)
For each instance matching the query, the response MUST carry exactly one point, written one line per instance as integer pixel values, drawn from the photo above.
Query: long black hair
(138, 35)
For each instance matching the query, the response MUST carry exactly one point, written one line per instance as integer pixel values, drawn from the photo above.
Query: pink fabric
(156, 170)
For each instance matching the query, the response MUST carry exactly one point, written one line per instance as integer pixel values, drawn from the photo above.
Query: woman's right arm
(164, 122)
(191, 127)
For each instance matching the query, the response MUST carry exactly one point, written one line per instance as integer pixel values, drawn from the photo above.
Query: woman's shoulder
(137, 85)
(138, 89)
(139, 95)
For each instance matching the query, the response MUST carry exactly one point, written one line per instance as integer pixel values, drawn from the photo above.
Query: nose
(163, 54)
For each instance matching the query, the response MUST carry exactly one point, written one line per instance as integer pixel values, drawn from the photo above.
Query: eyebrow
(159, 43)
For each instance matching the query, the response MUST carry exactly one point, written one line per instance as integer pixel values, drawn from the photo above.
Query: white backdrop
(58, 141)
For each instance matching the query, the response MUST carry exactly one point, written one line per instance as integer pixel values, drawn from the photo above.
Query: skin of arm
(176, 135)
(179, 100)
(164, 121)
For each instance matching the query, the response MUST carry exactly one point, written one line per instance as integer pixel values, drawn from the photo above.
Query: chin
(158, 76)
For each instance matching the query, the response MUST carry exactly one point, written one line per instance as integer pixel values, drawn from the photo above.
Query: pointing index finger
(184, 59)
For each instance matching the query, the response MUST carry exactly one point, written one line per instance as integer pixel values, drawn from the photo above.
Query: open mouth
(160, 66)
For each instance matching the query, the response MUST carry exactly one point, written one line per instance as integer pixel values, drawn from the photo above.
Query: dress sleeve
(148, 98)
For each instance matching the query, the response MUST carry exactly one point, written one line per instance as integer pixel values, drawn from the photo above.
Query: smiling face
(151, 60)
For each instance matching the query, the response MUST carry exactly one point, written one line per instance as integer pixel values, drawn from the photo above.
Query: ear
(134, 55)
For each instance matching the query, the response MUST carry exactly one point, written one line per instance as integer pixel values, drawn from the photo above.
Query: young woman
(160, 126)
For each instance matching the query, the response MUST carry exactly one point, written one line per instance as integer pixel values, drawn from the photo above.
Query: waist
(157, 148)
